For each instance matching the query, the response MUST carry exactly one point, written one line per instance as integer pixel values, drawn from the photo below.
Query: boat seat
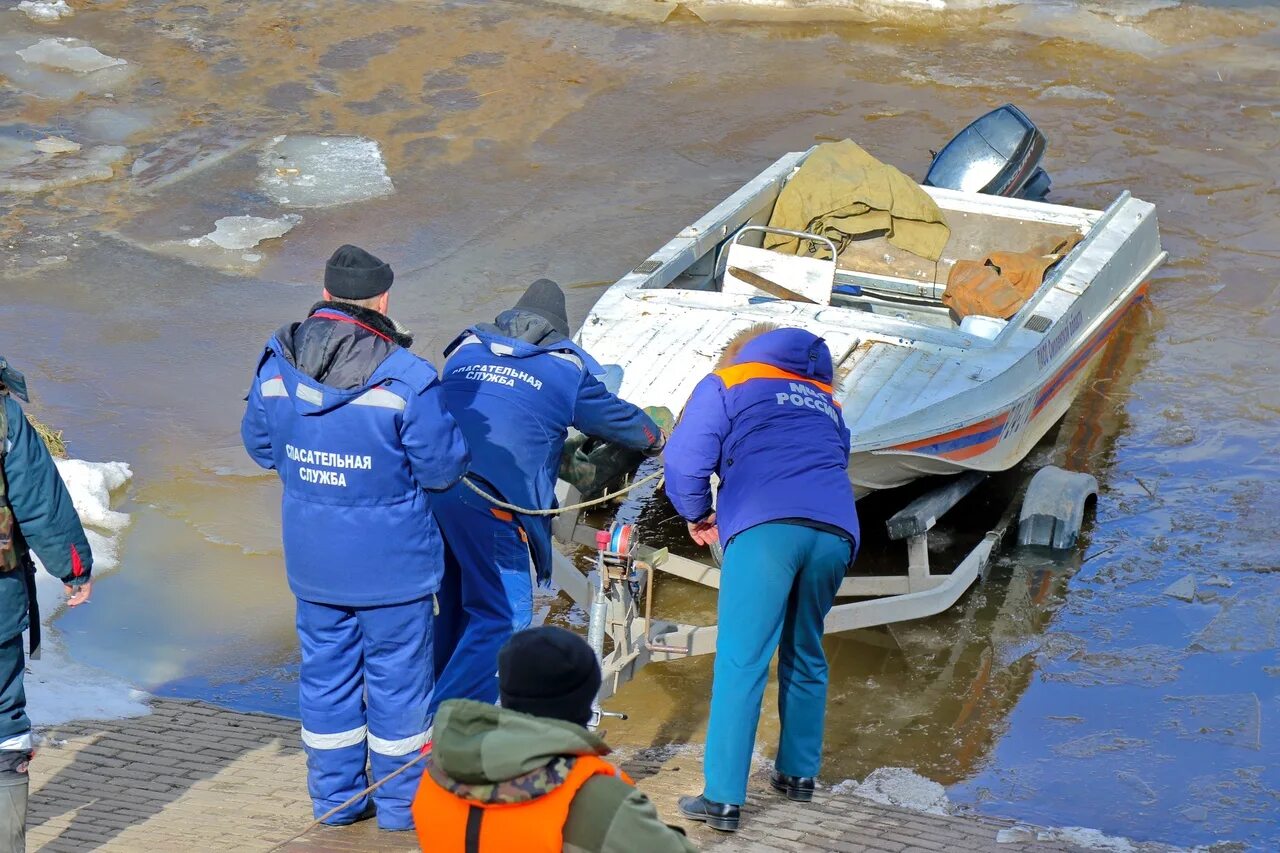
(808, 278)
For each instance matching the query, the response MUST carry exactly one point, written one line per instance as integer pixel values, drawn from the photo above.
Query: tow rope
(500, 504)
(369, 790)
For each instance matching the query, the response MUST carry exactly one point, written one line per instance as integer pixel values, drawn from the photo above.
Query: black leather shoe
(721, 816)
(797, 788)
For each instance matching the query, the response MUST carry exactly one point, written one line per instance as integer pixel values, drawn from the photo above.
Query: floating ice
(1015, 834)
(321, 171)
(114, 124)
(1184, 588)
(245, 232)
(1245, 623)
(44, 81)
(46, 10)
(898, 786)
(59, 689)
(44, 172)
(67, 54)
(183, 155)
(56, 145)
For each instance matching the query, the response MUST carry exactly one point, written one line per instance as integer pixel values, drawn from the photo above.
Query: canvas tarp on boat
(841, 192)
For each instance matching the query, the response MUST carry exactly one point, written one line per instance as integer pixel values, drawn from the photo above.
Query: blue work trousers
(13, 696)
(486, 594)
(779, 581)
(363, 693)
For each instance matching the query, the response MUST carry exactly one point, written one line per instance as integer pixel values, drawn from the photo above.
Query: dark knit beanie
(353, 273)
(549, 672)
(545, 298)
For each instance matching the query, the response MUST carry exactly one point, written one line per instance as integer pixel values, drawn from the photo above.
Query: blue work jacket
(770, 428)
(358, 466)
(515, 402)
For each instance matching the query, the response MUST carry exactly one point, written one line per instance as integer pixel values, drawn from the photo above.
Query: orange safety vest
(448, 823)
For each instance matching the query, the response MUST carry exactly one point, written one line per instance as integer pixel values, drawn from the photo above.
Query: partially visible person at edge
(515, 386)
(767, 424)
(355, 425)
(35, 513)
(529, 776)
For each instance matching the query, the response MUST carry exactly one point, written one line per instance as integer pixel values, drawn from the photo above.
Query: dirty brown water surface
(527, 140)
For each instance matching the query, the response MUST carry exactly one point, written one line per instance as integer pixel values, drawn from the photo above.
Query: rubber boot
(14, 783)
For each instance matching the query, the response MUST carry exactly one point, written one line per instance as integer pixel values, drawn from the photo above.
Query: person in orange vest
(529, 775)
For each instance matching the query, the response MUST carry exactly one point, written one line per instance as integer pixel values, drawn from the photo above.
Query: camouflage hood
(493, 755)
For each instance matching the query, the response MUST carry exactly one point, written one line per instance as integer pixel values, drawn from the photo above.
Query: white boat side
(921, 395)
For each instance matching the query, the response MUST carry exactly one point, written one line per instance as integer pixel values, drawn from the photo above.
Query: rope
(572, 507)
(369, 790)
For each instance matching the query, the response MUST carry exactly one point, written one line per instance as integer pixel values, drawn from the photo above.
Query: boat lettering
(809, 398)
(1048, 350)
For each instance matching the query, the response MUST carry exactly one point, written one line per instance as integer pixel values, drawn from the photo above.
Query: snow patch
(323, 171)
(898, 786)
(46, 10)
(68, 54)
(91, 493)
(59, 689)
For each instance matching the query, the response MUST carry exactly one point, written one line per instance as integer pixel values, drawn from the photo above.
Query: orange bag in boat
(1001, 283)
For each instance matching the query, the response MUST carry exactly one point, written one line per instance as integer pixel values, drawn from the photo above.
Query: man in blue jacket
(355, 425)
(767, 424)
(515, 387)
(35, 513)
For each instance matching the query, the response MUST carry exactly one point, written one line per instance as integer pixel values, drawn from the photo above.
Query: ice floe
(55, 145)
(185, 154)
(68, 54)
(322, 171)
(46, 10)
(36, 166)
(237, 233)
(58, 688)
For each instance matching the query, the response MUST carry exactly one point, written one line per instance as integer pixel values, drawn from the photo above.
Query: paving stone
(238, 782)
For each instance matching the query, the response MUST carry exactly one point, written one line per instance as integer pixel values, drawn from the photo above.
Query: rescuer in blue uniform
(515, 386)
(767, 424)
(355, 426)
(35, 513)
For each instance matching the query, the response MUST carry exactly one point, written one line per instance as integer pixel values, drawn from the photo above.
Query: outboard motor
(999, 154)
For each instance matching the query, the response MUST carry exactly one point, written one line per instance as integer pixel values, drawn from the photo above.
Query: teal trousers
(778, 582)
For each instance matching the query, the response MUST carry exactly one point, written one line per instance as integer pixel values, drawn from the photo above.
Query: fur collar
(377, 321)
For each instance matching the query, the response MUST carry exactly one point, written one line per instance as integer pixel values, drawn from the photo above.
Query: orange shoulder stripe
(739, 373)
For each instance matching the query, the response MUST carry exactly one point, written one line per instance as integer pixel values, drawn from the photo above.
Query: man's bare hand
(704, 532)
(77, 595)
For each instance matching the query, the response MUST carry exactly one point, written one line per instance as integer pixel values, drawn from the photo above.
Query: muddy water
(525, 140)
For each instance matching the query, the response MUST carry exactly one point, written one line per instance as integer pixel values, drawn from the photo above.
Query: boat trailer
(617, 594)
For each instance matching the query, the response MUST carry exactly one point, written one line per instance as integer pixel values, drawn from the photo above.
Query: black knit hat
(545, 298)
(353, 273)
(549, 672)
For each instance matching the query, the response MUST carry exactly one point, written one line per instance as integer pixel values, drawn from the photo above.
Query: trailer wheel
(1054, 507)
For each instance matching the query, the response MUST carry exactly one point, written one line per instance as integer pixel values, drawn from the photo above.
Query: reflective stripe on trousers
(363, 690)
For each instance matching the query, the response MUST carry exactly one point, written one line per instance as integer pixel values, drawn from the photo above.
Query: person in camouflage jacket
(523, 753)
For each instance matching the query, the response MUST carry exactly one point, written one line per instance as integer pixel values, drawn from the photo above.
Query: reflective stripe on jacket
(448, 822)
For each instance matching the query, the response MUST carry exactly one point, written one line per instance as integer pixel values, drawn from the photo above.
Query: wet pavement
(523, 140)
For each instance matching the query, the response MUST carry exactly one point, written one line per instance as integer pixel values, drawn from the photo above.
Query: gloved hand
(665, 422)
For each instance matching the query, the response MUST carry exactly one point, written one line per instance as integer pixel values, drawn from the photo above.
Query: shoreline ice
(59, 689)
